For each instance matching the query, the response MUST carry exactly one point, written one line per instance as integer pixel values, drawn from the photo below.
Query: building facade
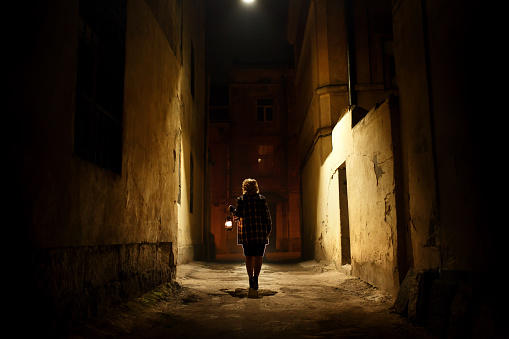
(107, 152)
(344, 66)
(388, 113)
(252, 137)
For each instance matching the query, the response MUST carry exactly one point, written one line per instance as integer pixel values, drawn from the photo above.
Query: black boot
(252, 293)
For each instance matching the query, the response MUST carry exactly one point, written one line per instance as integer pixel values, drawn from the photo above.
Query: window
(264, 110)
(100, 83)
(266, 162)
(219, 104)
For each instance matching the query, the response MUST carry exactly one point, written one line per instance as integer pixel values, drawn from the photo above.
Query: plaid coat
(256, 224)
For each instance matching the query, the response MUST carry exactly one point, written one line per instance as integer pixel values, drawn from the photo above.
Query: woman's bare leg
(250, 266)
(257, 265)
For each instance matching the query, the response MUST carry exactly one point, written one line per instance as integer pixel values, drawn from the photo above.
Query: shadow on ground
(243, 293)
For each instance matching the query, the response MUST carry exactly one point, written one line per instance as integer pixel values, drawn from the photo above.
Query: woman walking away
(253, 229)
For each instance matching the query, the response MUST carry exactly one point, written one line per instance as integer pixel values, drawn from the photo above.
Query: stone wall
(66, 285)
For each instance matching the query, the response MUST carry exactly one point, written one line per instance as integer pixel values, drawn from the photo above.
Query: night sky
(245, 34)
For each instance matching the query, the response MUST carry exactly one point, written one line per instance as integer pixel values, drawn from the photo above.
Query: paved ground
(297, 300)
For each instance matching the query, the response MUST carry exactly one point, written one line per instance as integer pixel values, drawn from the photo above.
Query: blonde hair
(250, 186)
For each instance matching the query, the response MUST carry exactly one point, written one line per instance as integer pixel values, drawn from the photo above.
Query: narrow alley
(131, 126)
(296, 300)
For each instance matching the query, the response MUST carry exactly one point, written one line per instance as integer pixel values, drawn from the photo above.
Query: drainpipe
(349, 48)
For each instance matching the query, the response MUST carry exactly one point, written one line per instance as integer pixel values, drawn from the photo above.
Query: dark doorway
(343, 217)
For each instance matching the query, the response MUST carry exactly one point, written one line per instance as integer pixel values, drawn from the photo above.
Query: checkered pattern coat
(255, 224)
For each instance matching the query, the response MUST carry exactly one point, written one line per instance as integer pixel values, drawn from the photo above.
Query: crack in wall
(377, 168)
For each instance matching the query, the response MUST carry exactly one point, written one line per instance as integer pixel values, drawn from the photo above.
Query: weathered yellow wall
(73, 202)
(328, 219)
(321, 85)
(367, 151)
(89, 237)
(152, 90)
(192, 137)
(372, 200)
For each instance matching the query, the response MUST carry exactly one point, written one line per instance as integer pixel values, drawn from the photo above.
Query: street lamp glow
(248, 1)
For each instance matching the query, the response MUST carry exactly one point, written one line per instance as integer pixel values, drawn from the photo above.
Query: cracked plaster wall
(100, 237)
(367, 151)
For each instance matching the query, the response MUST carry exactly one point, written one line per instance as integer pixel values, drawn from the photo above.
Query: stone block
(413, 296)
(406, 288)
(442, 295)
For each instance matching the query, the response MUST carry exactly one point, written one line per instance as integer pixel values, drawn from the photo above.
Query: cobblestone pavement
(295, 300)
